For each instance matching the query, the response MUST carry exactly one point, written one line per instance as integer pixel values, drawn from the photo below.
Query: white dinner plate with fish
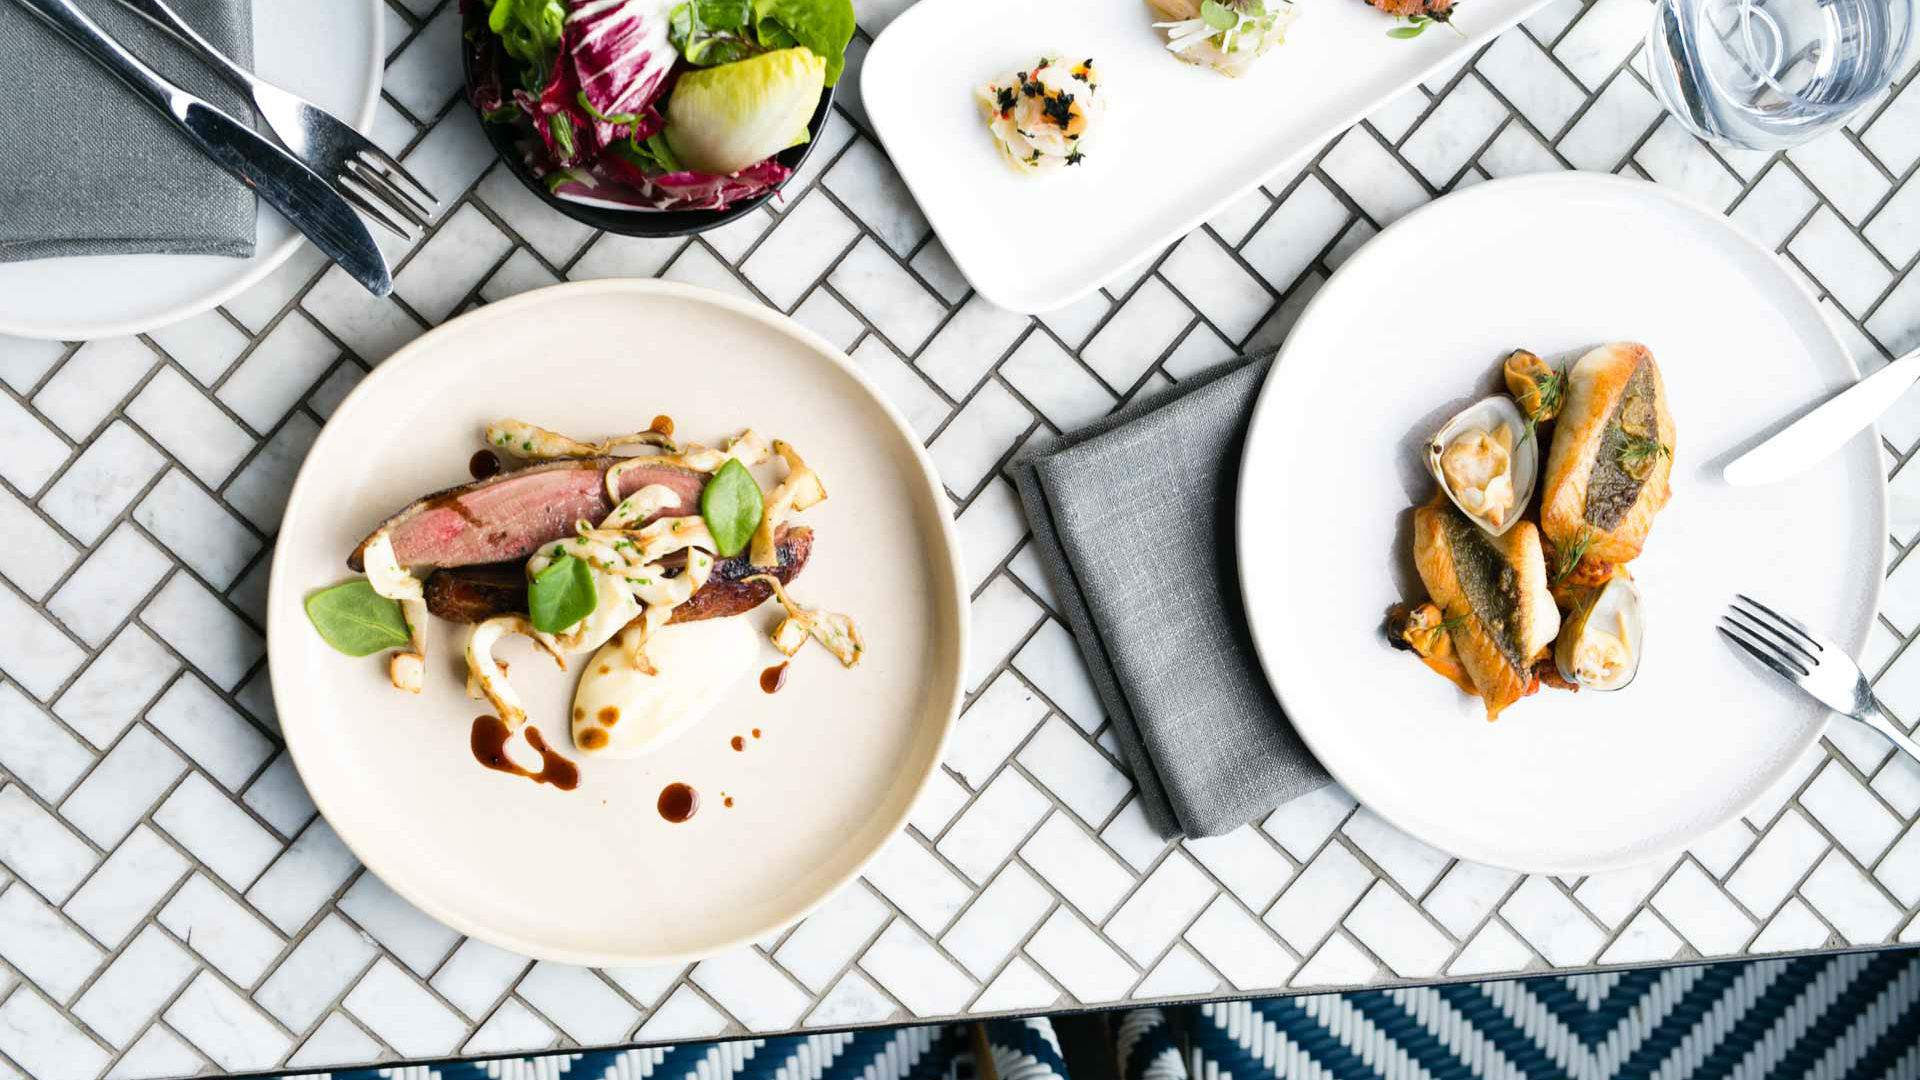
(1678, 344)
(331, 54)
(1172, 143)
(763, 634)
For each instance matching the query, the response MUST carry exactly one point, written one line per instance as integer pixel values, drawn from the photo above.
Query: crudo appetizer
(1039, 117)
(1525, 567)
(637, 563)
(1225, 35)
(657, 104)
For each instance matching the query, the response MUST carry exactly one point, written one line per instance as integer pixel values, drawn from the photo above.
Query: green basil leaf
(354, 619)
(1404, 32)
(1218, 15)
(732, 505)
(561, 595)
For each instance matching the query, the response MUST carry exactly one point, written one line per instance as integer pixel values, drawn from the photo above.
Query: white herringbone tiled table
(172, 904)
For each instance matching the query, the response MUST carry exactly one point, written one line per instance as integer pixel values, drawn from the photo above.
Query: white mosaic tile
(133, 988)
(909, 968)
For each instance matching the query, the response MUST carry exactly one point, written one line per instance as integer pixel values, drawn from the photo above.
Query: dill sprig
(1570, 558)
(1638, 454)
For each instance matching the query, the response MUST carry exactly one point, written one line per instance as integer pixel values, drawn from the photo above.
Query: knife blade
(279, 179)
(297, 192)
(1809, 440)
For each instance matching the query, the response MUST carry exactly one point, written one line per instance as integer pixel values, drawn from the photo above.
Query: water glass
(1769, 74)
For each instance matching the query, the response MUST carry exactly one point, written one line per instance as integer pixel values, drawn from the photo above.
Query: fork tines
(1776, 640)
(371, 181)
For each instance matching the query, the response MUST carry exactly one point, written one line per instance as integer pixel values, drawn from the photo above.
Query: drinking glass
(1769, 74)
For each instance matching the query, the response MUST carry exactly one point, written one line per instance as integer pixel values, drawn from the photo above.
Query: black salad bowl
(506, 138)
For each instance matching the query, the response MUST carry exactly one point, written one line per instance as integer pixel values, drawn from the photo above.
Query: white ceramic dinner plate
(596, 875)
(1176, 143)
(1412, 328)
(329, 53)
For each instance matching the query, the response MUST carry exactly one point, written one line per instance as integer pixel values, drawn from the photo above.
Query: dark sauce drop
(774, 677)
(662, 424)
(756, 733)
(483, 464)
(489, 741)
(739, 743)
(729, 802)
(678, 802)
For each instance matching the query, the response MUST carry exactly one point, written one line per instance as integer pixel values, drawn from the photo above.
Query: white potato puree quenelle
(620, 711)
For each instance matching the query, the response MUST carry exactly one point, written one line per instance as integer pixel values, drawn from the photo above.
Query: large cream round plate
(1411, 329)
(329, 53)
(596, 875)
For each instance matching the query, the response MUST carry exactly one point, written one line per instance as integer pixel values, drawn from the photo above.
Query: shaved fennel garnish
(748, 447)
(486, 671)
(799, 490)
(632, 511)
(831, 629)
(390, 580)
(1226, 34)
(533, 443)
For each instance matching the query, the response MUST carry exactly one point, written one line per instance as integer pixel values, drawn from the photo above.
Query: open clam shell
(1490, 415)
(1613, 610)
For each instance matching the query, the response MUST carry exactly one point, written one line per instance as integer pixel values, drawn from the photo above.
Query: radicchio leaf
(621, 54)
(615, 181)
(569, 134)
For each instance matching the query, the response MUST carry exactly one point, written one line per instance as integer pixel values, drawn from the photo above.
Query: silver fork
(365, 175)
(1811, 662)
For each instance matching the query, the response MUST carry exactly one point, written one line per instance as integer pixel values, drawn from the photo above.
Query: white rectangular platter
(1177, 142)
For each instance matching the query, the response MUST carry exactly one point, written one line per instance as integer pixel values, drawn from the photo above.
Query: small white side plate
(1414, 326)
(1176, 144)
(595, 875)
(329, 53)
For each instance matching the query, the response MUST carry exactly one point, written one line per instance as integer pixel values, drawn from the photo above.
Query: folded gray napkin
(88, 168)
(1133, 520)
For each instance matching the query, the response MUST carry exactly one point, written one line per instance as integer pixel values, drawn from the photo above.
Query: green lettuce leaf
(823, 26)
(528, 29)
(709, 32)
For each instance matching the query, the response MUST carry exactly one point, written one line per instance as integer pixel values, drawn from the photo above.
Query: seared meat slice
(471, 594)
(474, 594)
(1437, 10)
(725, 593)
(506, 517)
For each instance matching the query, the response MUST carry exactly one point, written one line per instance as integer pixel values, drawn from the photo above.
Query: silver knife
(277, 177)
(1807, 441)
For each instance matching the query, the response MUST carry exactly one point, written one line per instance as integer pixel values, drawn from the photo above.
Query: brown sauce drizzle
(483, 464)
(489, 741)
(774, 677)
(663, 424)
(756, 733)
(729, 802)
(739, 743)
(678, 802)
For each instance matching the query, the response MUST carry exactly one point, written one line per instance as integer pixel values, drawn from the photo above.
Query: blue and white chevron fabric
(924, 1053)
(1024, 1050)
(1853, 1017)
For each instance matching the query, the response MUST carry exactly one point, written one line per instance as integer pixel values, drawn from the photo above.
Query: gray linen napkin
(1133, 520)
(88, 168)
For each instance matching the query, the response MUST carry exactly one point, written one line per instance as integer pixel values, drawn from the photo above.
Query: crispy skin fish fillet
(1493, 592)
(1612, 453)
